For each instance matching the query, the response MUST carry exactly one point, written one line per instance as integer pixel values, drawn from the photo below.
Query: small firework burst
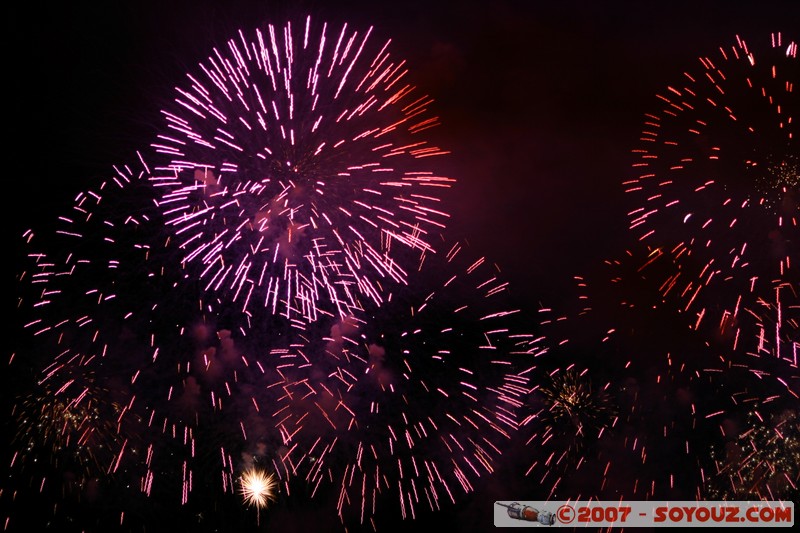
(258, 488)
(576, 404)
(761, 462)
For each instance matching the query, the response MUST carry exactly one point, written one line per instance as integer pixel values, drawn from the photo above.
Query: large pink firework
(293, 163)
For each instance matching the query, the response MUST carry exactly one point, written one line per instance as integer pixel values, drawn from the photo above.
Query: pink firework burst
(293, 162)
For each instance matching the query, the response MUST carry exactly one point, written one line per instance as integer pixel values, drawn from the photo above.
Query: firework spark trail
(758, 326)
(768, 330)
(718, 182)
(291, 167)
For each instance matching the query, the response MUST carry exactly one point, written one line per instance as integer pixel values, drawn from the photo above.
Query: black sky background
(540, 102)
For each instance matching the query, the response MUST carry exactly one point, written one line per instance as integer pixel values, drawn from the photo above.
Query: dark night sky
(540, 102)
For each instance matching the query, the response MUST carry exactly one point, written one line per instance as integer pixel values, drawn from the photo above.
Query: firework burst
(292, 164)
(68, 424)
(717, 185)
(258, 488)
(407, 405)
(99, 342)
(760, 462)
(576, 407)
